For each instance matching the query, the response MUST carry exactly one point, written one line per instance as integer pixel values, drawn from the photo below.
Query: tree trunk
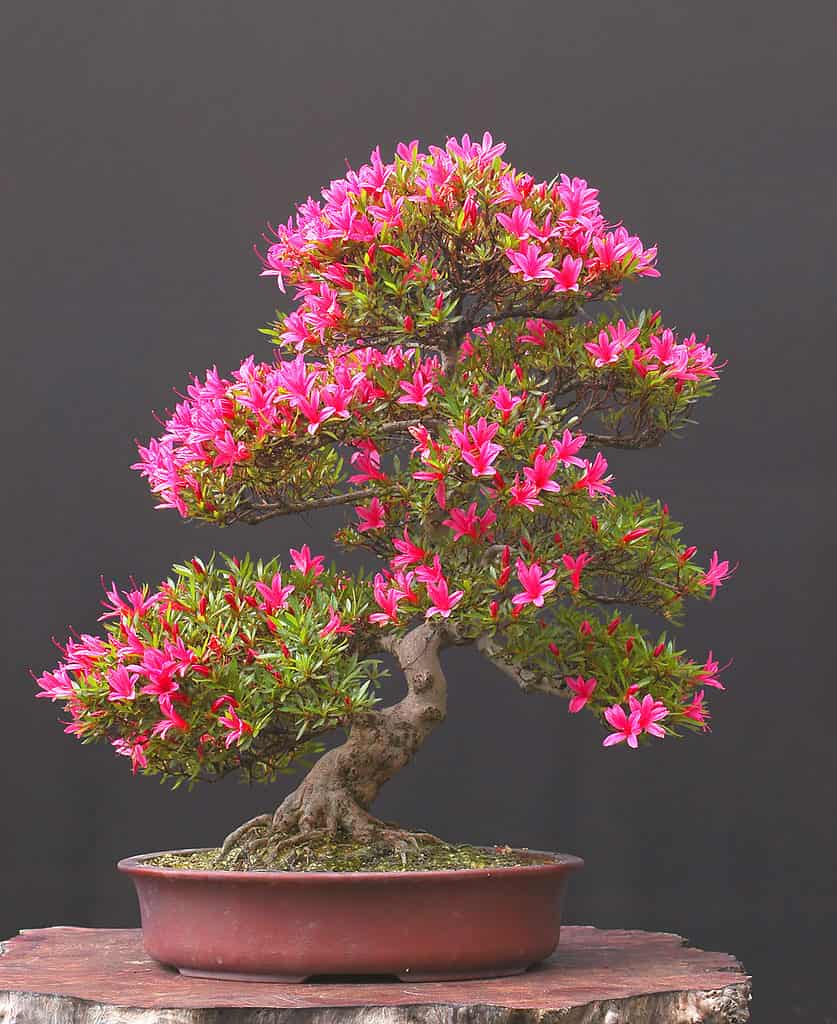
(336, 794)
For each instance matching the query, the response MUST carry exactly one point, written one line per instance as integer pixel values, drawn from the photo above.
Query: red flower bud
(613, 625)
(556, 650)
(586, 629)
(629, 645)
(202, 605)
(493, 609)
(594, 523)
(658, 650)
(408, 324)
(198, 566)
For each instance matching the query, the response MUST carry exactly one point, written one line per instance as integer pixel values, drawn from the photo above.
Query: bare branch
(527, 679)
(257, 513)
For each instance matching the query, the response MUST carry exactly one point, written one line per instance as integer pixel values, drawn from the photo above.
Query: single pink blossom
(696, 709)
(650, 712)
(536, 584)
(594, 478)
(626, 727)
(716, 574)
(305, 563)
(583, 690)
(371, 516)
(575, 566)
(236, 727)
(442, 601)
(566, 277)
(121, 685)
(274, 595)
(528, 261)
(568, 447)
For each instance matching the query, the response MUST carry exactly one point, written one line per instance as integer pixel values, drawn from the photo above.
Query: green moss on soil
(336, 855)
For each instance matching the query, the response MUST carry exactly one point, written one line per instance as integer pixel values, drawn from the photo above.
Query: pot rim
(558, 863)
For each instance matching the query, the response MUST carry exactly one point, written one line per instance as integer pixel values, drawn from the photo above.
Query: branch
(267, 510)
(528, 680)
(644, 439)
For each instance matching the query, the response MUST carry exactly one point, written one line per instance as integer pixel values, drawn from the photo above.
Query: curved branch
(253, 514)
(527, 679)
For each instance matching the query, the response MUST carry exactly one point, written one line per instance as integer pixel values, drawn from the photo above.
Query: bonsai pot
(414, 925)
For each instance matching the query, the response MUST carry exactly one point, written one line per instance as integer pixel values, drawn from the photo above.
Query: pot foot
(498, 972)
(286, 979)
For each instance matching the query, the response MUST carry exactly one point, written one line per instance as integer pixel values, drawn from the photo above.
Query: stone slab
(67, 975)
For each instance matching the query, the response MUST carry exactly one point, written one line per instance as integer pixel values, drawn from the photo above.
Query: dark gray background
(145, 143)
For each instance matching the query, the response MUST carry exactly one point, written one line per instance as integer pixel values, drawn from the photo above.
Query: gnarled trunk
(335, 795)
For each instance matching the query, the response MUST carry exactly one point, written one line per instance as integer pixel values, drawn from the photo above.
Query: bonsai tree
(451, 373)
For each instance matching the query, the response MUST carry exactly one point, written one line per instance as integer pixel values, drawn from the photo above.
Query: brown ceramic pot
(289, 925)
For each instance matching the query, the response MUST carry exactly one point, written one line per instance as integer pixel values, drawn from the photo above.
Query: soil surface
(335, 855)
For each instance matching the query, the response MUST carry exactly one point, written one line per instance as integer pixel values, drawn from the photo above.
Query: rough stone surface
(103, 976)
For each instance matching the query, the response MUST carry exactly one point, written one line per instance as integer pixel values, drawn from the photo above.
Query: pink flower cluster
(553, 235)
(220, 423)
(689, 360)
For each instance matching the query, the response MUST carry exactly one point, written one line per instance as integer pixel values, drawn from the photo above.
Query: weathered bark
(335, 796)
(338, 791)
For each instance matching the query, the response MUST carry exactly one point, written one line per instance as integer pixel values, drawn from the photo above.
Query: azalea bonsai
(451, 374)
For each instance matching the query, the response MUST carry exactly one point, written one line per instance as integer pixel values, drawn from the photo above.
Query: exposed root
(259, 844)
(238, 835)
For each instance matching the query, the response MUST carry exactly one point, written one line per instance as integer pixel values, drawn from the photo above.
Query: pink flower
(159, 669)
(524, 493)
(229, 452)
(371, 516)
(367, 461)
(481, 460)
(709, 672)
(716, 574)
(649, 712)
(443, 602)
(387, 599)
(121, 685)
(583, 690)
(430, 573)
(469, 524)
(135, 749)
(566, 277)
(696, 709)
(575, 566)
(536, 584)
(408, 552)
(519, 223)
(505, 402)
(476, 446)
(335, 624)
(57, 685)
(135, 603)
(275, 596)
(626, 727)
(416, 391)
(236, 727)
(540, 473)
(568, 447)
(305, 563)
(604, 350)
(594, 478)
(528, 261)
